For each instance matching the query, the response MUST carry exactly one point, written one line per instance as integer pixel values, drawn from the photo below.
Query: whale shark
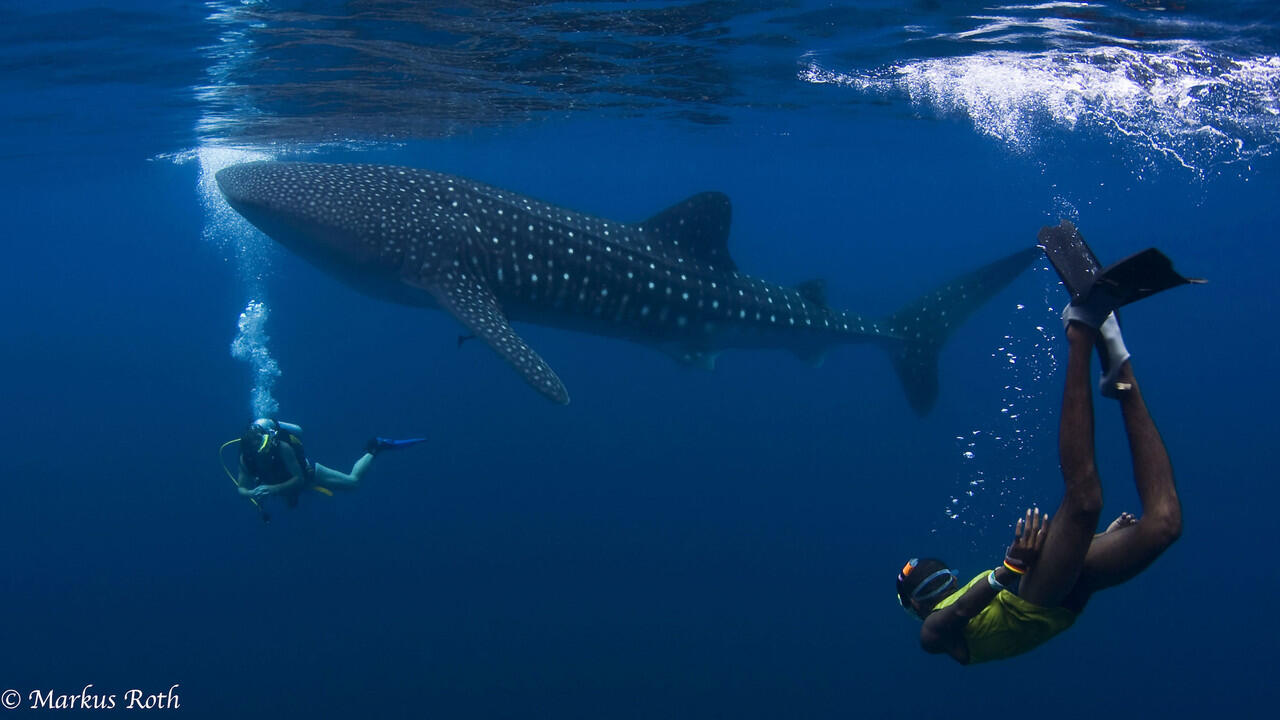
(492, 257)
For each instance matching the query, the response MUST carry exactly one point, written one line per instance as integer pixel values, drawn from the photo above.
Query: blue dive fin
(378, 444)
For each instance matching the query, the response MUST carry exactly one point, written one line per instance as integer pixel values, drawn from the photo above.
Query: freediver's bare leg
(1052, 578)
(1118, 556)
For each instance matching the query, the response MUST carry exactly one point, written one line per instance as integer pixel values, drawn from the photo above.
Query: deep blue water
(674, 543)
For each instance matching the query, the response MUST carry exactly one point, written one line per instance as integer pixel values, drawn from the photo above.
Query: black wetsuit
(269, 468)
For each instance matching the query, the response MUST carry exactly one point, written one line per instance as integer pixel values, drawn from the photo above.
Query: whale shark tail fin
(923, 325)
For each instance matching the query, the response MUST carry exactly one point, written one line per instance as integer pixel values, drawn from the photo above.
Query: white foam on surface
(1183, 105)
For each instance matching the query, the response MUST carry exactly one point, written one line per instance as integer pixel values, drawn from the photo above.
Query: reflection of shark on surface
(489, 256)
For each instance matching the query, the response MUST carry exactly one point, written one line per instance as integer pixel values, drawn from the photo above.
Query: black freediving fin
(467, 298)
(1071, 258)
(1139, 276)
(1136, 277)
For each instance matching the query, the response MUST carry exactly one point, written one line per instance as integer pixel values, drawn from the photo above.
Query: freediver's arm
(943, 631)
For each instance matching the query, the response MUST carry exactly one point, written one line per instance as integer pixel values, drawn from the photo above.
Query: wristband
(994, 583)
(1013, 569)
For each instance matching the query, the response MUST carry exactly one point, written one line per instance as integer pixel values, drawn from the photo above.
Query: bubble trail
(252, 255)
(1000, 457)
(250, 345)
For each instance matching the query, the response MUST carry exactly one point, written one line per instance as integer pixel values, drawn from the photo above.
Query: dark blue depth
(672, 544)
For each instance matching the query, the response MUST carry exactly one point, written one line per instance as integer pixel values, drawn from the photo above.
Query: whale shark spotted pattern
(490, 256)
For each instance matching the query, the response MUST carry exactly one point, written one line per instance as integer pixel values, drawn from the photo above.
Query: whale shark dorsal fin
(466, 297)
(815, 291)
(695, 229)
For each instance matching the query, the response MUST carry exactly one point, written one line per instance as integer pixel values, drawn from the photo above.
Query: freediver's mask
(919, 592)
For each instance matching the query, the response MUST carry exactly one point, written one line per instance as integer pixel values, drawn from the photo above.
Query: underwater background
(675, 543)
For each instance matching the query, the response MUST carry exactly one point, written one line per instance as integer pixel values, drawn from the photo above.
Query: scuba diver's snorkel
(269, 429)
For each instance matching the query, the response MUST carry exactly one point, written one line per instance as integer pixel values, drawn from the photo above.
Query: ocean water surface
(675, 543)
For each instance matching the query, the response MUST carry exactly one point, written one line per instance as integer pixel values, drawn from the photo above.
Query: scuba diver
(1052, 568)
(273, 461)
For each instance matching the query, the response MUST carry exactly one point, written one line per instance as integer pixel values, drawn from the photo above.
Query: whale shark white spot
(404, 234)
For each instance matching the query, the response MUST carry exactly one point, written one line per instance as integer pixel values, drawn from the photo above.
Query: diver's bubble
(998, 455)
(225, 228)
(250, 345)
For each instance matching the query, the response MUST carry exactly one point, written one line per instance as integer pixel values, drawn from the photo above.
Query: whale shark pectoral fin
(691, 356)
(470, 301)
(702, 359)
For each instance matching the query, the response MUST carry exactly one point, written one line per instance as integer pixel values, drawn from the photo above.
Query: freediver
(1052, 569)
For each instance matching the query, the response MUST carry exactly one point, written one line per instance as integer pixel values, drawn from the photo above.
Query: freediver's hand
(1028, 539)
(262, 491)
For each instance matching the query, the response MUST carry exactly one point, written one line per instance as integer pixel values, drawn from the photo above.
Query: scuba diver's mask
(269, 430)
(919, 593)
